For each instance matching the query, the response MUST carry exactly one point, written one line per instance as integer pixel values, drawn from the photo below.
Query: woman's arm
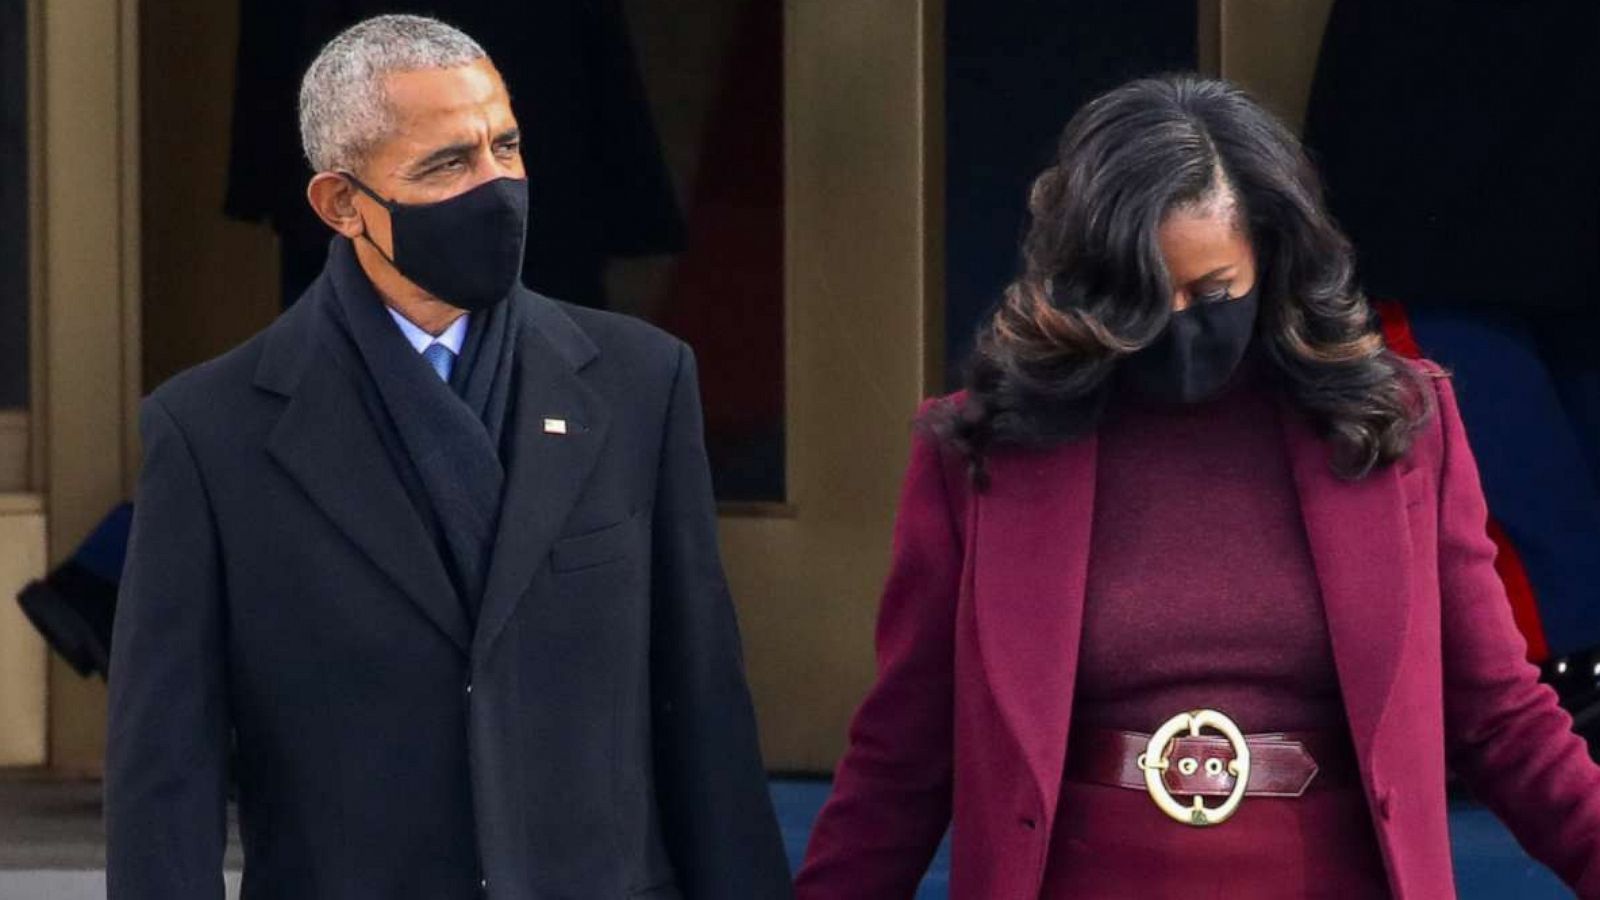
(1506, 735)
(891, 793)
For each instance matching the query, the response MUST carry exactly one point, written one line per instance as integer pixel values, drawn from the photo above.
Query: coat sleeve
(168, 738)
(892, 790)
(1506, 735)
(716, 810)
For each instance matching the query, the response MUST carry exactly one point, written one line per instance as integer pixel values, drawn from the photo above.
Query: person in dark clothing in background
(598, 186)
(434, 556)
(1462, 155)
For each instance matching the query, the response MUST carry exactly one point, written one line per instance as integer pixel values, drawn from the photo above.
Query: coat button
(469, 688)
(1385, 803)
(1028, 822)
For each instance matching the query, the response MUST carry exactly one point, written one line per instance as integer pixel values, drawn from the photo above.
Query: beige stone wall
(86, 303)
(862, 264)
(1268, 46)
(209, 281)
(23, 664)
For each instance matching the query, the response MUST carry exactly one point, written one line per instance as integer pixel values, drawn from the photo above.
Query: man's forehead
(441, 94)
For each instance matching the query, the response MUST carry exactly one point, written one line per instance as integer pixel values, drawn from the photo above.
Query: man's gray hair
(344, 107)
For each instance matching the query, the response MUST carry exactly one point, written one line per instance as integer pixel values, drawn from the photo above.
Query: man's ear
(333, 198)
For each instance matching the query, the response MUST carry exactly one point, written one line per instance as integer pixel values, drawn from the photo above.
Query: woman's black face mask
(1193, 359)
(467, 250)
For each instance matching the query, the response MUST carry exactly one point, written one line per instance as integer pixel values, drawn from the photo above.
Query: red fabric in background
(726, 296)
(1397, 331)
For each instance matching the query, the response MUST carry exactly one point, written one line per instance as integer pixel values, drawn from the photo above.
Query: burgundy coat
(977, 640)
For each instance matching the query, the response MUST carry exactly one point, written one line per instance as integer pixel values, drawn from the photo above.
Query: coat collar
(1031, 557)
(291, 342)
(1031, 564)
(1360, 544)
(328, 444)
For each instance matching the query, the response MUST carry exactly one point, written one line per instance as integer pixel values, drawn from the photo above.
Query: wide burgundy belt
(1179, 760)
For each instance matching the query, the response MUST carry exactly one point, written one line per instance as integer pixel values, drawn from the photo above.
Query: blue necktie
(440, 357)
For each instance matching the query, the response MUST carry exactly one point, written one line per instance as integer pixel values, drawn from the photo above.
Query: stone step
(62, 884)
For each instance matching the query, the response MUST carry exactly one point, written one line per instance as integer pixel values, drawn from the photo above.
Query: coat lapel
(327, 442)
(1033, 536)
(548, 466)
(1359, 547)
(1031, 569)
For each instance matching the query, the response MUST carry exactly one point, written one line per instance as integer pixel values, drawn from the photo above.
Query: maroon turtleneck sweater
(1201, 591)
(1202, 594)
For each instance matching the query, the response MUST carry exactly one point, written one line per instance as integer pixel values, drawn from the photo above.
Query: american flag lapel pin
(555, 426)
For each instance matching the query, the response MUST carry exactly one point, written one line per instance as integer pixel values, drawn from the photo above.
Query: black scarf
(445, 440)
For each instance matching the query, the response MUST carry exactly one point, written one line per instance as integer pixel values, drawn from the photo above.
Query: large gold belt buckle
(1155, 761)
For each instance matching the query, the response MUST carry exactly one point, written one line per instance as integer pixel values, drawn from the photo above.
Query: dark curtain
(1461, 148)
(13, 204)
(1015, 72)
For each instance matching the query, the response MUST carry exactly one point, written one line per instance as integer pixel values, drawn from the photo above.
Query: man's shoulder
(619, 331)
(216, 376)
(220, 388)
(622, 342)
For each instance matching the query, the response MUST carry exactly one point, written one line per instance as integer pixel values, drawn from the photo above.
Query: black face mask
(1198, 352)
(466, 250)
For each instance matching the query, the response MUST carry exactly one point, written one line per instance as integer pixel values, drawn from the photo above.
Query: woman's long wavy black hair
(1093, 288)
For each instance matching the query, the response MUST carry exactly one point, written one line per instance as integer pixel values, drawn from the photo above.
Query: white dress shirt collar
(452, 339)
